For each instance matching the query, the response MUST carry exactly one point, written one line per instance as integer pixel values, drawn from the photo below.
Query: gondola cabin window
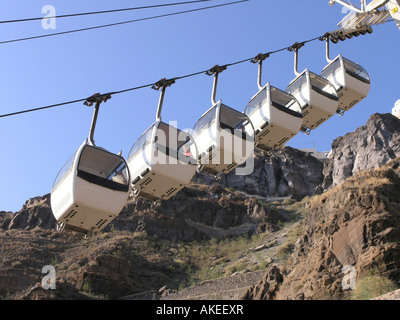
(323, 86)
(205, 121)
(356, 70)
(103, 168)
(64, 172)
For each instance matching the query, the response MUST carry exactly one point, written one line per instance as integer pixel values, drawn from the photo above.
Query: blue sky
(34, 146)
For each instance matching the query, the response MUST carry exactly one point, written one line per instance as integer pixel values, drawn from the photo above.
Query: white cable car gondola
(224, 136)
(350, 80)
(163, 160)
(276, 115)
(318, 98)
(92, 187)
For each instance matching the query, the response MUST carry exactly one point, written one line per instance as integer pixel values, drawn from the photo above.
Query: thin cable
(105, 11)
(72, 102)
(41, 108)
(149, 85)
(123, 22)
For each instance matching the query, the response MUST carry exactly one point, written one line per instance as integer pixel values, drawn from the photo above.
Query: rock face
(356, 225)
(267, 288)
(35, 213)
(369, 147)
(284, 173)
(110, 275)
(65, 291)
(355, 222)
(281, 173)
(201, 212)
(197, 213)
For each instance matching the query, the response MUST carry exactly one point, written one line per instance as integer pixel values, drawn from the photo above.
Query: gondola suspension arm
(96, 99)
(163, 84)
(216, 70)
(327, 38)
(260, 58)
(295, 47)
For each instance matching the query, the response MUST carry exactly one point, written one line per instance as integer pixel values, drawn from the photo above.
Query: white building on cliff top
(396, 109)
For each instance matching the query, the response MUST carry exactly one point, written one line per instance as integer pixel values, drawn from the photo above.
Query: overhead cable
(102, 12)
(153, 84)
(123, 22)
(42, 108)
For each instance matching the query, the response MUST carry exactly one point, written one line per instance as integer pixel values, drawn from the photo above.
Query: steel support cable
(72, 102)
(123, 22)
(103, 12)
(153, 84)
(41, 108)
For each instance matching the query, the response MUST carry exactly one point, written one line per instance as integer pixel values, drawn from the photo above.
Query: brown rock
(267, 288)
(355, 224)
(369, 147)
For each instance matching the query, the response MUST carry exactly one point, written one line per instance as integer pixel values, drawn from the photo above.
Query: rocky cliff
(285, 173)
(35, 213)
(355, 221)
(355, 224)
(203, 210)
(281, 173)
(369, 147)
(197, 212)
(124, 259)
(352, 221)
